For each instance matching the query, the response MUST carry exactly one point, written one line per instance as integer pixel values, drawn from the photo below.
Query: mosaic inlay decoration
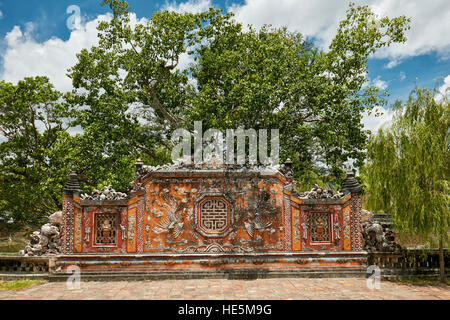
(296, 230)
(347, 226)
(78, 241)
(131, 237)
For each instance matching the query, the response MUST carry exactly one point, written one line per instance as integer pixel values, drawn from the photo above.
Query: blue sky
(35, 39)
(51, 16)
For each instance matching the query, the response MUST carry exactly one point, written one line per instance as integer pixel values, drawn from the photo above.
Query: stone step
(234, 275)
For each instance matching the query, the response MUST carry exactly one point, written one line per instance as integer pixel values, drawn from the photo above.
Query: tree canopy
(32, 167)
(148, 77)
(239, 76)
(408, 169)
(409, 165)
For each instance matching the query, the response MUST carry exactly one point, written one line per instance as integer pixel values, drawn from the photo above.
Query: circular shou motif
(213, 216)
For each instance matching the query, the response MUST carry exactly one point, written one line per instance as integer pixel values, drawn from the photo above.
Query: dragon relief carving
(171, 224)
(256, 224)
(263, 208)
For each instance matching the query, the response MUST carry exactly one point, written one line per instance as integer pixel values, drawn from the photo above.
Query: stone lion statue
(47, 241)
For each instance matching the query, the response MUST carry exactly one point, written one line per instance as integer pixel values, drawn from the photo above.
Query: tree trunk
(441, 261)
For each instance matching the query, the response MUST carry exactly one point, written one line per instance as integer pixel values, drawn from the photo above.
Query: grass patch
(9, 254)
(19, 284)
(13, 246)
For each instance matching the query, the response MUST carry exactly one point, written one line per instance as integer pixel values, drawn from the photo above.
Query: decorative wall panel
(213, 216)
(131, 236)
(296, 229)
(347, 243)
(106, 229)
(320, 227)
(78, 232)
(208, 211)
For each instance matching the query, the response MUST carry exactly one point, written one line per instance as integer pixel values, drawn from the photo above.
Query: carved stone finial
(138, 167)
(350, 184)
(72, 186)
(286, 169)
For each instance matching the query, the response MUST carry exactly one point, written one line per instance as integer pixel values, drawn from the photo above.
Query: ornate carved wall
(200, 213)
(208, 211)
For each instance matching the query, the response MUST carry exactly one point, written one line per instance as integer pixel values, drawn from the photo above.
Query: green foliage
(131, 90)
(31, 166)
(239, 77)
(19, 284)
(12, 247)
(408, 166)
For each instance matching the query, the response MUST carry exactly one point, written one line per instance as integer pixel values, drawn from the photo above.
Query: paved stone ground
(261, 289)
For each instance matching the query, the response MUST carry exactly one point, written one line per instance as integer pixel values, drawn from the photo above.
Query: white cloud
(373, 123)
(402, 76)
(184, 61)
(192, 6)
(393, 63)
(430, 21)
(320, 18)
(377, 82)
(25, 57)
(1, 15)
(444, 90)
(380, 84)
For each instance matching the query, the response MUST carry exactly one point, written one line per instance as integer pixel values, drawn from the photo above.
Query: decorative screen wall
(204, 211)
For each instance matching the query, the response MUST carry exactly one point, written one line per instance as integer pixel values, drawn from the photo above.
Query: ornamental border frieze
(215, 247)
(67, 227)
(287, 223)
(215, 180)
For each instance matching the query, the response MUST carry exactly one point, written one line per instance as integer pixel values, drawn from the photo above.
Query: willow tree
(409, 171)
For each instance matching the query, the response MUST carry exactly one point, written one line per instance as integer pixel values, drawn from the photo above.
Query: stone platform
(212, 266)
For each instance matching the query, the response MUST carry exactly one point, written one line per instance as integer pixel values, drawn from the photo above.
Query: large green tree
(133, 88)
(32, 169)
(238, 77)
(408, 169)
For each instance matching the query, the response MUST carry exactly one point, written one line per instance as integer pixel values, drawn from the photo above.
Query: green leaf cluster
(409, 164)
